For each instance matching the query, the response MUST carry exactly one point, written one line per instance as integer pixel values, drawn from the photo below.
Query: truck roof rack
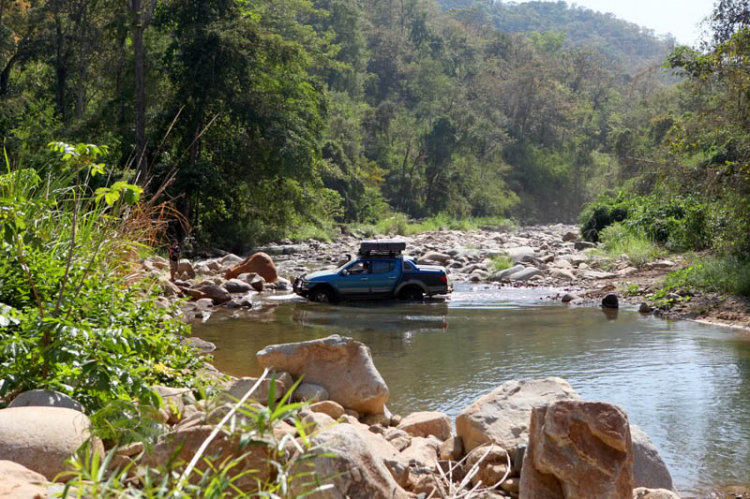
(381, 248)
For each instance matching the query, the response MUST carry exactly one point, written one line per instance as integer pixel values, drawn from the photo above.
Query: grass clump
(618, 240)
(501, 262)
(722, 274)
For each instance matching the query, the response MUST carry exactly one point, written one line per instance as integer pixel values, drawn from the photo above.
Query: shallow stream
(686, 384)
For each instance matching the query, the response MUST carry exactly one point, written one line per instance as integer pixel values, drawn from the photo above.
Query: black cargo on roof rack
(368, 247)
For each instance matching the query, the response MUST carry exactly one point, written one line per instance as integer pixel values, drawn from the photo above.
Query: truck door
(383, 276)
(355, 279)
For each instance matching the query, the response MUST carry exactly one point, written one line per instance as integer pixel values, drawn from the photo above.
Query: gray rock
(521, 254)
(46, 398)
(237, 286)
(502, 416)
(504, 274)
(582, 245)
(310, 392)
(199, 344)
(257, 283)
(525, 274)
(567, 298)
(649, 469)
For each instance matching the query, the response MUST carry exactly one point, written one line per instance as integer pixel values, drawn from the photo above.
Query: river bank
(549, 256)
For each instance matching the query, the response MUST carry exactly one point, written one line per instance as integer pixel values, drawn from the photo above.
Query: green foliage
(596, 216)
(76, 325)
(723, 274)
(501, 262)
(290, 457)
(617, 240)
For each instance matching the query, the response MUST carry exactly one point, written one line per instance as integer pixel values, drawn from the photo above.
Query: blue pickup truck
(379, 271)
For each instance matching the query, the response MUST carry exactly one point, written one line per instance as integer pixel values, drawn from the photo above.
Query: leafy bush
(596, 216)
(727, 274)
(79, 319)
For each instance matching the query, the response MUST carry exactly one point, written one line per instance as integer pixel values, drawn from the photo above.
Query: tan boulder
(502, 416)
(452, 449)
(239, 387)
(260, 263)
(353, 466)
(423, 424)
(185, 267)
(578, 449)
(423, 452)
(42, 438)
(328, 407)
(341, 365)
(19, 482)
(491, 462)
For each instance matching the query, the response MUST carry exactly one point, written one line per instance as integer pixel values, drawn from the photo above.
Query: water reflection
(687, 385)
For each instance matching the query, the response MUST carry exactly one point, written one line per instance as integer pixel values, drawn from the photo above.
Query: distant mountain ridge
(625, 43)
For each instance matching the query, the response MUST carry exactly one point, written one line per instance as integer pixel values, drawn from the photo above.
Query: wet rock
(260, 263)
(649, 469)
(258, 283)
(434, 256)
(46, 398)
(502, 416)
(569, 236)
(578, 449)
(645, 308)
(217, 294)
(237, 286)
(341, 365)
(567, 298)
(610, 301)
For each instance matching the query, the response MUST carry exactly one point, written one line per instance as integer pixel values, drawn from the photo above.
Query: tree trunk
(141, 165)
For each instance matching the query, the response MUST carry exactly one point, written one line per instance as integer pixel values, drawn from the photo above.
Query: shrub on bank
(76, 316)
(725, 274)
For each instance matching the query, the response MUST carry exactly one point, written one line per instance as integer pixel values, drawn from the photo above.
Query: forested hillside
(630, 46)
(257, 119)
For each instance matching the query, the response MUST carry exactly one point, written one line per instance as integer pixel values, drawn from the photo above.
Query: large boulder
(649, 469)
(341, 365)
(424, 424)
(352, 464)
(259, 263)
(42, 438)
(578, 449)
(237, 286)
(19, 482)
(217, 294)
(502, 416)
(46, 398)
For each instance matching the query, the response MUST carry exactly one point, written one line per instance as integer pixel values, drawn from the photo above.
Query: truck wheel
(411, 293)
(322, 295)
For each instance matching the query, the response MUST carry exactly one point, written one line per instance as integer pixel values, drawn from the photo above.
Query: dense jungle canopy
(255, 118)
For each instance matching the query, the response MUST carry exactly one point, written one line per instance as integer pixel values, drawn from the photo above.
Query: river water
(686, 384)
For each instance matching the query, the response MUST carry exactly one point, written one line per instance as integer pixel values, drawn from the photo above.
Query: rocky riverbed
(551, 256)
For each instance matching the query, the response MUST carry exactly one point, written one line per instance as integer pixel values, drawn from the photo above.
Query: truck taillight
(443, 278)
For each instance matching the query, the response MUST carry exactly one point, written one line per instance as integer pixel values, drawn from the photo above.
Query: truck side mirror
(344, 273)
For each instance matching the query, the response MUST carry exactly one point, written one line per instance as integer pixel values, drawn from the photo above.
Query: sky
(679, 17)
